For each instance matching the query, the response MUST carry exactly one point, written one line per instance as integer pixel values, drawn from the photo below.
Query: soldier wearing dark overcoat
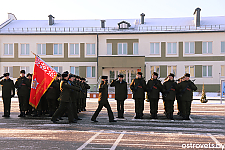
(103, 101)
(8, 91)
(120, 94)
(154, 87)
(169, 94)
(186, 92)
(138, 87)
(22, 84)
(65, 99)
(52, 95)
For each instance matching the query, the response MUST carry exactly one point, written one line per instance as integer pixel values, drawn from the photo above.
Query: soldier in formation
(138, 87)
(22, 85)
(120, 94)
(8, 91)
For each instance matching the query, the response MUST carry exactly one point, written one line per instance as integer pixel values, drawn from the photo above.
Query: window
(109, 48)
(172, 69)
(154, 69)
(90, 49)
(223, 70)
(189, 48)
(122, 48)
(154, 48)
(222, 47)
(171, 48)
(123, 25)
(206, 47)
(8, 49)
(207, 71)
(111, 75)
(25, 48)
(74, 70)
(74, 49)
(57, 49)
(26, 68)
(57, 68)
(41, 49)
(91, 72)
(135, 48)
(190, 70)
(9, 70)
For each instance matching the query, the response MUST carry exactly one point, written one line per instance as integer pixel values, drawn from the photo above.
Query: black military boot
(137, 116)
(171, 116)
(153, 116)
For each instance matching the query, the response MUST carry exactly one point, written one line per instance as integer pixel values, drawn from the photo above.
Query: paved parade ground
(205, 130)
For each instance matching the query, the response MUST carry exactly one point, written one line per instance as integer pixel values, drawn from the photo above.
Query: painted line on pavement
(117, 141)
(88, 141)
(214, 139)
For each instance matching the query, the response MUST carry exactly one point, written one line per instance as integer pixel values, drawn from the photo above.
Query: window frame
(154, 48)
(91, 72)
(8, 49)
(221, 47)
(25, 49)
(172, 66)
(58, 69)
(107, 49)
(207, 71)
(74, 70)
(41, 48)
(207, 44)
(74, 49)
(91, 49)
(189, 48)
(58, 48)
(137, 47)
(122, 48)
(190, 70)
(8, 70)
(171, 48)
(154, 70)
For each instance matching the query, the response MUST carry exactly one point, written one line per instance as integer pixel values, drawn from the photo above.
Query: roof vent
(102, 23)
(142, 18)
(197, 17)
(51, 20)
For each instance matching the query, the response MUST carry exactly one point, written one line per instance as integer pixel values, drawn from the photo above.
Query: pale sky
(107, 9)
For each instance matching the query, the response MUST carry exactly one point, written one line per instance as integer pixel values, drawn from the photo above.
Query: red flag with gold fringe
(43, 76)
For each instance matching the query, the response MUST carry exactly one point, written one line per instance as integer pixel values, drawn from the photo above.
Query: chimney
(51, 20)
(197, 17)
(142, 18)
(102, 23)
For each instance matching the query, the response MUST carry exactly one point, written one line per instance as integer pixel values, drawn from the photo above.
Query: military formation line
(67, 96)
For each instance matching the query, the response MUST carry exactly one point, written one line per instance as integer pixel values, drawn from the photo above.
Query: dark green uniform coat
(186, 89)
(103, 101)
(120, 95)
(22, 84)
(138, 87)
(8, 91)
(120, 89)
(154, 87)
(169, 94)
(65, 101)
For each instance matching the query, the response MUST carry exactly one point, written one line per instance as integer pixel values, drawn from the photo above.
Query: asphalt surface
(205, 130)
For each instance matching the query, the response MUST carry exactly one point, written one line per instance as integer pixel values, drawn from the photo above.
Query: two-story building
(92, 48)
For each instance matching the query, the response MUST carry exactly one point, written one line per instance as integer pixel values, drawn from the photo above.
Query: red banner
(43, 76)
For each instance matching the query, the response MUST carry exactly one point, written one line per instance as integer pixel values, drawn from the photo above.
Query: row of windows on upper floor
(122, 48)
(90, 70)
